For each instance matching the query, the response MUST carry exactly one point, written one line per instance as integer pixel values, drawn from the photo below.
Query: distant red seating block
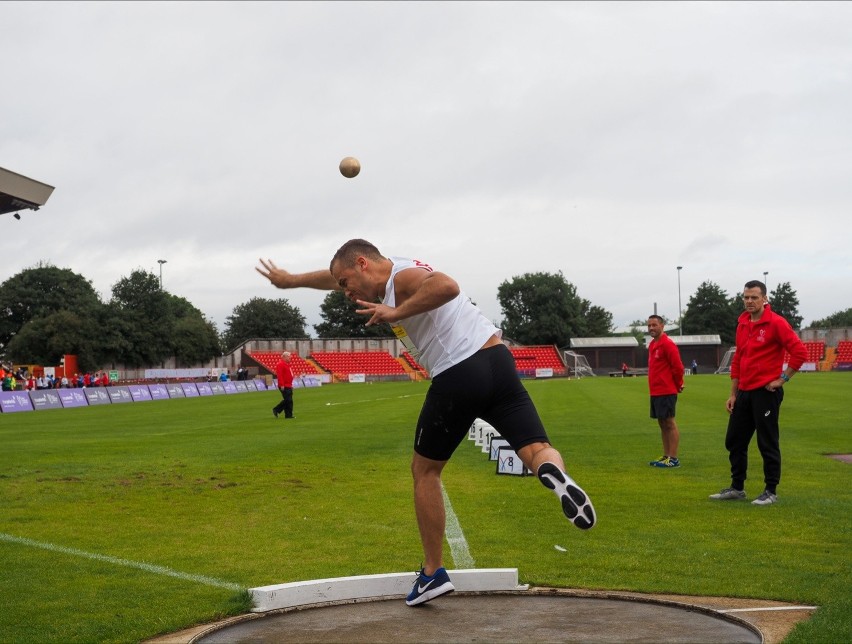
(416, 366)
(269, 359)
(374, 363)
(529, 359)
(844, 351)
(815, 351)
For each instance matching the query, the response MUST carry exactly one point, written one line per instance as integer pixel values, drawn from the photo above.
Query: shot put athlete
(473, 376)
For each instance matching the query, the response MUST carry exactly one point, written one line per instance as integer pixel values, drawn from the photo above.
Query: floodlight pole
(161, 262)
(766, 279)
(679, 308)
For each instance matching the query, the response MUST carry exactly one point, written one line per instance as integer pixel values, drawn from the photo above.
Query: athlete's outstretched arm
(321, 279)
(417, 291)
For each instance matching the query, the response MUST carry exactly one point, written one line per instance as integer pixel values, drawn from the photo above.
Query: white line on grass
(455, 536)
(353, 402)
(159, 570)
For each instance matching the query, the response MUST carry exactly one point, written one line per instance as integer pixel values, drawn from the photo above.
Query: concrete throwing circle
(505, 617)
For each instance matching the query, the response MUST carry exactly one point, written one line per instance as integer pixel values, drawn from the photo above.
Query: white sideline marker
(159, 570)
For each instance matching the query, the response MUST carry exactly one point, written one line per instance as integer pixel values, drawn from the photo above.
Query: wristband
(785, 377)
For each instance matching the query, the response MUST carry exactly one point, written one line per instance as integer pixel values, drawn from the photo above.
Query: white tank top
(442, 337)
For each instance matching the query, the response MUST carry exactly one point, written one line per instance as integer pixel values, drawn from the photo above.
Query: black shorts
(485, 385)
(663, 406)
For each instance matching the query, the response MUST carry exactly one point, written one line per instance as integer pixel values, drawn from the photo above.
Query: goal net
(725, 367)
(577, 365)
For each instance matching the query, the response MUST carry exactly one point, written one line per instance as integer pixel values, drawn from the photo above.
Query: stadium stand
(816, 352)
(415, 366)
(381, 363)
(843, 353)
(376, 363)
(529, 359)
(269, 359)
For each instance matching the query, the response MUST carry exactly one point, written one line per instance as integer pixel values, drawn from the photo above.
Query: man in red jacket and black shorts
(665, 382)
(758, 375)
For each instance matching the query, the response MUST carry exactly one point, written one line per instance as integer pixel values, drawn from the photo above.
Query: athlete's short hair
(352, 250)
(657, 317)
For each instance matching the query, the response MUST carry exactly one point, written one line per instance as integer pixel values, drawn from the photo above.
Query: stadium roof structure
(696, 339)
(18, 192)
(599, 343)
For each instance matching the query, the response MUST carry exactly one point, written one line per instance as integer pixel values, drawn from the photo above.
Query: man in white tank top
(467, 361)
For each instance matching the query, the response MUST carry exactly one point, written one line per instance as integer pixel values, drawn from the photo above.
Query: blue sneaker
(576, 504)
(667, 461)
(427, 588)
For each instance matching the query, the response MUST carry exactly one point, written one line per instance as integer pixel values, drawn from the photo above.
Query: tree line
(46, 312)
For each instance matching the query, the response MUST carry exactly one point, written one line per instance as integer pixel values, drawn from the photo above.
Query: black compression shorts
(485, 385)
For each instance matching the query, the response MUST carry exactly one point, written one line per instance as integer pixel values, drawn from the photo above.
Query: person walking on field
(665, 382)
(284, 373)
(473, 376)
(758, 376)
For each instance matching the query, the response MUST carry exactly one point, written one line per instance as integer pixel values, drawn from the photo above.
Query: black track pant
(755, 410)
(285, 405)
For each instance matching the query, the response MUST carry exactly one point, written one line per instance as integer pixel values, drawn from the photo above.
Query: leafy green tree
(46, 338)
(840, 319)
(263, 318)
(544, 308)
(598, 321)
(39, 291)
(786, 304)
(142, 313)
(712, 311)
(193, 338)
(341, 320)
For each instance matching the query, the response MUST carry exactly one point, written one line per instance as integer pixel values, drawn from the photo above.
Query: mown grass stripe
(159, 570)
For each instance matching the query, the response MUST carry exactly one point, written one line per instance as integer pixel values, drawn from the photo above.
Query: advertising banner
(12, 401)
(175, 391)
(229, 386)
(307, 381)
(204, 389)
(217, 388)
(189, 389)
(45, 399)
(97, 396)
(73, 397)
(119, 394)
(158, 392)
(139, 393)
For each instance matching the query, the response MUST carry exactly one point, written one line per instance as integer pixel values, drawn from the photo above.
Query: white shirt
(443, 337)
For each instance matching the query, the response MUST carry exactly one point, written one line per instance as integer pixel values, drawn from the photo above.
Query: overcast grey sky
(610, 141)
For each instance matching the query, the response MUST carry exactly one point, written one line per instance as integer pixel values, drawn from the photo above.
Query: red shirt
(759, 357)
(285, 374)
(665, 368)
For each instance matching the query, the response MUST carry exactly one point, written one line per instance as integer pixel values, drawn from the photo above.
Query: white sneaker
(729, 494)
(767, 498)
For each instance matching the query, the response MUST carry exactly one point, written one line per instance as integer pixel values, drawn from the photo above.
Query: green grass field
(121, 522)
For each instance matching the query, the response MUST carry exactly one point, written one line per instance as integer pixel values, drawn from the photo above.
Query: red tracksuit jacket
(759, 357)
(665, 368)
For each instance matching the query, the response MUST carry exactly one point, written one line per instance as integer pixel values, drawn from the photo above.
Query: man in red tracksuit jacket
(284, 372)
(757, 378)
(665, 382)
